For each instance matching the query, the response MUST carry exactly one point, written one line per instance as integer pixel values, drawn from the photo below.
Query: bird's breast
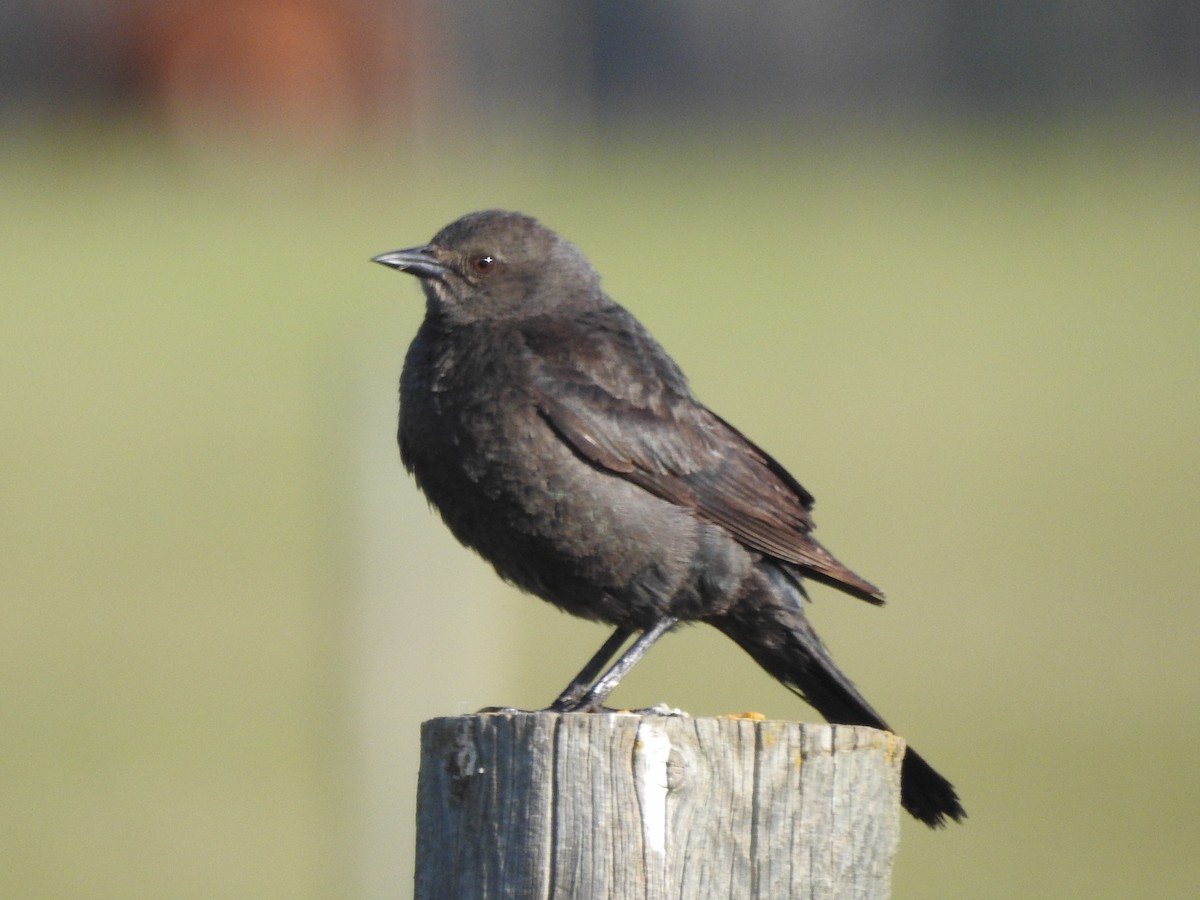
(508, 486)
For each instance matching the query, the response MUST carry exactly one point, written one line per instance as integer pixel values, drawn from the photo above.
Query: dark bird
(558, 440)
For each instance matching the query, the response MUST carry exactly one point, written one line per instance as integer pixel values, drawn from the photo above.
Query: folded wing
(624, 407)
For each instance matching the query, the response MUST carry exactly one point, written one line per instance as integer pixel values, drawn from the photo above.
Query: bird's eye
(485, 264)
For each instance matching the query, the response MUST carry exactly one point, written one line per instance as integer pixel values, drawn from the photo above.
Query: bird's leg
(595, 698)
(569, 698)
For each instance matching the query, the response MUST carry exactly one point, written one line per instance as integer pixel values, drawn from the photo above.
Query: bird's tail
(771, 626)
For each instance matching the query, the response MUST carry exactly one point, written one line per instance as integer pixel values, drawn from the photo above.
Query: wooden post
(575, 806)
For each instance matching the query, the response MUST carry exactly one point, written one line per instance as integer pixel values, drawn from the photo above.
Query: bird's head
(494, 265)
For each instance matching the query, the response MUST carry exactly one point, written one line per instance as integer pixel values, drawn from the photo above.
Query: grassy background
(225, 610)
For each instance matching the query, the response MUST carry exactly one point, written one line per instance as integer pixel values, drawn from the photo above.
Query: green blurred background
(226, 609)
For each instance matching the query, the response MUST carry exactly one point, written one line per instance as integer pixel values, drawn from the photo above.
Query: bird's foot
(658, 709)
(552, 708)
(580, 706)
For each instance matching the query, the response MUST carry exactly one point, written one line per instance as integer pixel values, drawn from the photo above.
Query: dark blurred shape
(319, 69)
(1004, 57)
(1173, 41)
(310, 71)
(55, 54)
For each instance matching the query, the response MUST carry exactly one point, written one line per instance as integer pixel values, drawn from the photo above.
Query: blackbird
(558, 440)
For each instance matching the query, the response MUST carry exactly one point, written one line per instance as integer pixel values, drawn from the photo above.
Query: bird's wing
(615, 397)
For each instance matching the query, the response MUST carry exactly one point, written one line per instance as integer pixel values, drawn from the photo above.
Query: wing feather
(623, 406)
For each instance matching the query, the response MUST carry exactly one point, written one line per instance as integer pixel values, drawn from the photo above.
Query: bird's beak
(419, 261)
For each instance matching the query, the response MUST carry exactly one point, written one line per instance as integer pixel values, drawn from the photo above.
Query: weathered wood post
(575, 806)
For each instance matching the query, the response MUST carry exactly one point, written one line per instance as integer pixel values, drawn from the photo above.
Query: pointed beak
(419, 261)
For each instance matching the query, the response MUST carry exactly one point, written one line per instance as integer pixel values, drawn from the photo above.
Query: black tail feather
(926, 794)
(771, 626)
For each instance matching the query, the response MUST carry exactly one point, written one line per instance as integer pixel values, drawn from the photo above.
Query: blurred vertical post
(596, 805)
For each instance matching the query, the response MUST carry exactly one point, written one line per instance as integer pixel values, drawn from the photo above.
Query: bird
(558, 440)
